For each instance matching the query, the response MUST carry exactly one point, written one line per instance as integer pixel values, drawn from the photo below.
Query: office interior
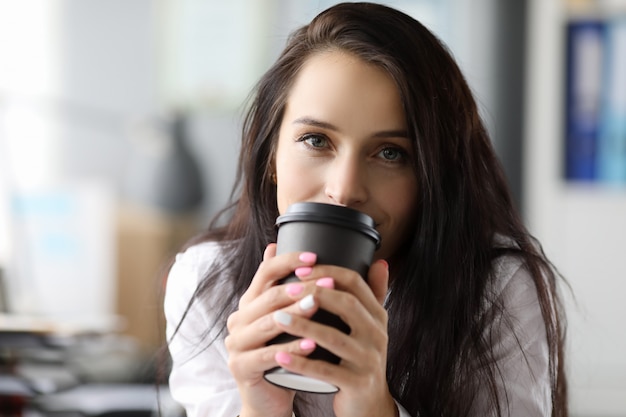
(119, 123)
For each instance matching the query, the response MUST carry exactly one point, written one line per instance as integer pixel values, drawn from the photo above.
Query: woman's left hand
(361, 374)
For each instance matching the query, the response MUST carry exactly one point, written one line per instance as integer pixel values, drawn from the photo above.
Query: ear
(271, 169)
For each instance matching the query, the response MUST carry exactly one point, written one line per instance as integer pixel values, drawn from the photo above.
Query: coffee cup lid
(330, 213)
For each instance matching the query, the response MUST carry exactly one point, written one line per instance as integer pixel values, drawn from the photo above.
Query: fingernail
(283, 358)
(294, 288)
(303, 271)
(384, 263)
(307, 344)
(307, 303)
(282, 317)
(308, 257)
(325, 282)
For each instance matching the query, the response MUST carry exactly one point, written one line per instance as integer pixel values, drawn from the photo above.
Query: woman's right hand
(253, 325)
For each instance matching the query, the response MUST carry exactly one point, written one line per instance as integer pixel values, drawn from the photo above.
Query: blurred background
(119, 129)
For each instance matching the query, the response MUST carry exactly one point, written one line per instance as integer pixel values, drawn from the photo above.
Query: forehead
(336, 85)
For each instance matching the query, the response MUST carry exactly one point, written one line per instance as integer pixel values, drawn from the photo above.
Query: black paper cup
(339, 236)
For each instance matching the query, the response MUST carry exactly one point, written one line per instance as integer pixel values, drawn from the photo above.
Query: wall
(582, 228)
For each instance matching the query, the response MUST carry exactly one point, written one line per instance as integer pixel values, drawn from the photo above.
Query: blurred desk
(18, 331)
(37, 351)
(20, 382)
(43, 368)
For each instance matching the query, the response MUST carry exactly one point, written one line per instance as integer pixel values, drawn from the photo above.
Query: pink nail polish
(325, 282)
(308, 257)
(283, 358)
(294, 288)
(307, 344)
(303, 271)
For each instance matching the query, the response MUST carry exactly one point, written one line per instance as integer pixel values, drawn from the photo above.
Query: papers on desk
(63, 244)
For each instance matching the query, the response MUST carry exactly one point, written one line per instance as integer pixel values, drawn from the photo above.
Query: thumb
(270, 251)
(378, 279)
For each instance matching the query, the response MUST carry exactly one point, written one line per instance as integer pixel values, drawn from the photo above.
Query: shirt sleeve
(520, 349)
(402, 411)
(199, 379)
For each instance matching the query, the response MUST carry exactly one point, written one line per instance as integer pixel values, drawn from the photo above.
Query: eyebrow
(310, 121)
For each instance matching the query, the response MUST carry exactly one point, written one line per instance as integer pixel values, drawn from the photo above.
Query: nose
(346, 182)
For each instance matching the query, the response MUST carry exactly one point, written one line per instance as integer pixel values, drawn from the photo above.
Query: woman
(459, 315)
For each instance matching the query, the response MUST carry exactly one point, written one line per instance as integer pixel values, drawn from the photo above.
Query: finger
(245, 336)
(273, 268)
(350, 281)
(378, 279)
(324, 335)
(253, 363)
(357, 384)
(318, 369)
(251, 336)
(270, 251)
(367, 328)
(274, 298)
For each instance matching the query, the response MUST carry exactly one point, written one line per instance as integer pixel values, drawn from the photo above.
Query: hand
(252, 325)
(361, 374)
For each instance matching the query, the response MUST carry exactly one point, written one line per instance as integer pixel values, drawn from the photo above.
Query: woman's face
(343, 140)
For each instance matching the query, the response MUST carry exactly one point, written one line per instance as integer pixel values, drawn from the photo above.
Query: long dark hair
(439, 352)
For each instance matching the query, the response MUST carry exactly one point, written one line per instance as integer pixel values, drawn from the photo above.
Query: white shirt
(201, 381)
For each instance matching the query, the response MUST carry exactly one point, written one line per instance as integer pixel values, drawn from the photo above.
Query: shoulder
(200, 256)
(513, 291)
(515, 307)
(512, 279)
(518, 339)
(513, 303)
(189, 269)
(510, 274)
(193, 264)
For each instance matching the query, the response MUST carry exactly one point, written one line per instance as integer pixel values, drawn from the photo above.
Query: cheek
(294, 182)
(400, 205)
(399, 196)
